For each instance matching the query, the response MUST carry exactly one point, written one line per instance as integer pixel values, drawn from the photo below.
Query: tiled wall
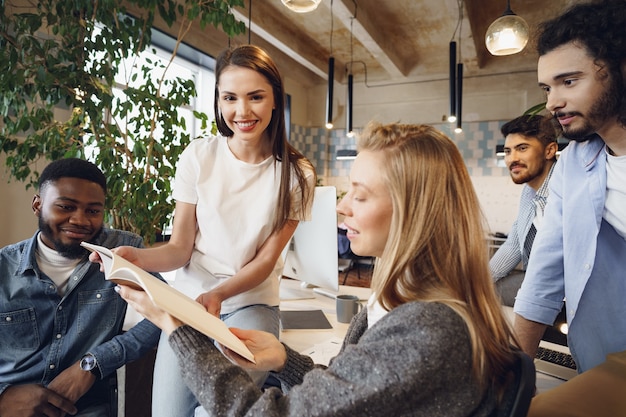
(498, 195)
(477, 144)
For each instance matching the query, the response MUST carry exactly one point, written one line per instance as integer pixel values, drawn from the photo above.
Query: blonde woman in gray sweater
(432, 340)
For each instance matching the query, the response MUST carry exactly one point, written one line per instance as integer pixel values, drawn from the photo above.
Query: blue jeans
(170, 395)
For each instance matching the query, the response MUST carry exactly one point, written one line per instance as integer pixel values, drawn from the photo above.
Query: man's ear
(551, 150)
(36, 205)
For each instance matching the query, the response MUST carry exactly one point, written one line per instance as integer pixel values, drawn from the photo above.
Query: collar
(542, 192)
(28, 263)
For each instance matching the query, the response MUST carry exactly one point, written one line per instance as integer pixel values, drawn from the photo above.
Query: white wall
(17, 221)
(500, 97)
(498, 196)
(499, 200)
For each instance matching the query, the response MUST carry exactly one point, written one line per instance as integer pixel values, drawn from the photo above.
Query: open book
(169, 299)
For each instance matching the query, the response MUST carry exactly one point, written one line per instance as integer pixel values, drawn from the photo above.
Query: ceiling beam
(367, 34)
(272, 30)
(261, 19)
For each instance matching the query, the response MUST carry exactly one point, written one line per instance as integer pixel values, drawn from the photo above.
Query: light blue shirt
(564, 263)
(42, 333)
(512, 251)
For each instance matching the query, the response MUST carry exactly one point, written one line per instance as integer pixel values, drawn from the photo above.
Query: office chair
(348, 260)
(517, 399)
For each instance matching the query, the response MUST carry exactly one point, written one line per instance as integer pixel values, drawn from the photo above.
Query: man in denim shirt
(60, 320)
(579, 254)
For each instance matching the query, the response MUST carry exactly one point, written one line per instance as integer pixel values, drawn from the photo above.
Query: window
(189, 64)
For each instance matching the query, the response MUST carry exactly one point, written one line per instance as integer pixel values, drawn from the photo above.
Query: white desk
(303, 340)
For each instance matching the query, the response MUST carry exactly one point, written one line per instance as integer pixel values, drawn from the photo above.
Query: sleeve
(184, 189)
(541, 295)
(507, 256)
(126, 347)
(296, 367)
(401, 364)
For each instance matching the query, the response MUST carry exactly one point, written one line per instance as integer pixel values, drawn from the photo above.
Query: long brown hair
(293, 162)
(436, 249)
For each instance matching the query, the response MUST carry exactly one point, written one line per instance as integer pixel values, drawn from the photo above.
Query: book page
(123, 276)
(323, 352)
(169, 299)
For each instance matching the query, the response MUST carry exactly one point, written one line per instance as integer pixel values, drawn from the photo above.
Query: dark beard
(71, 251)
(606, 107)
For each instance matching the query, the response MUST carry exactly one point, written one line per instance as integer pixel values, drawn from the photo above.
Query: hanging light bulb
(301, 6)
(508, 34)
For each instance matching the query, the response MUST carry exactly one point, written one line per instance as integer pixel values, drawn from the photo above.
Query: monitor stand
(293, 291)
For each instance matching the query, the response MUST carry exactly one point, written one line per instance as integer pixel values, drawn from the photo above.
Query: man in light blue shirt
(579, 254)
(61, 322)
(530, 154)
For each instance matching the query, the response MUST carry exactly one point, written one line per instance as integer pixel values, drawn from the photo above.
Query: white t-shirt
(235, 206)
(615, 204)
(57, 267)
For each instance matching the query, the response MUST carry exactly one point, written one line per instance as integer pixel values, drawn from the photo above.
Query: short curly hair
(597, 26)
(72, 168)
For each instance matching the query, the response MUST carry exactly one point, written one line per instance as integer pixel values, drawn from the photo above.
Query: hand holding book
(138, 299)
(166, 299)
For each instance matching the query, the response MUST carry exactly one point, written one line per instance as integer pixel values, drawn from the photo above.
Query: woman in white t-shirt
(239, 197)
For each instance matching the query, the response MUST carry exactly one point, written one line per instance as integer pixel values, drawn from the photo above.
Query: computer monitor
(312, 256)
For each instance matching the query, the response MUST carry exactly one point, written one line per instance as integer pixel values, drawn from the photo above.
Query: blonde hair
(436, 249)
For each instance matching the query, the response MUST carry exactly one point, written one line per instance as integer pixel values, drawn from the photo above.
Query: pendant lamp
(350, 104)
(331, 76)
(349, 101)
(346, 154)
(301, 6)
(459, 98)
(329, 95)
(452, 115)
(508, 34)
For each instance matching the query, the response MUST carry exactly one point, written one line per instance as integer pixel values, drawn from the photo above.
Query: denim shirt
(564, 259)
(42, 333)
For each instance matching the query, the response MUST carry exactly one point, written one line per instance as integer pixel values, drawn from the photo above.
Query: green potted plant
(56, 55)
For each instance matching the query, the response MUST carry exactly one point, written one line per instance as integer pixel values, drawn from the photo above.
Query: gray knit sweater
(415, 361)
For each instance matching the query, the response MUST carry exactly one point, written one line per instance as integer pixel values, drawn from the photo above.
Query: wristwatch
(89, 363)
